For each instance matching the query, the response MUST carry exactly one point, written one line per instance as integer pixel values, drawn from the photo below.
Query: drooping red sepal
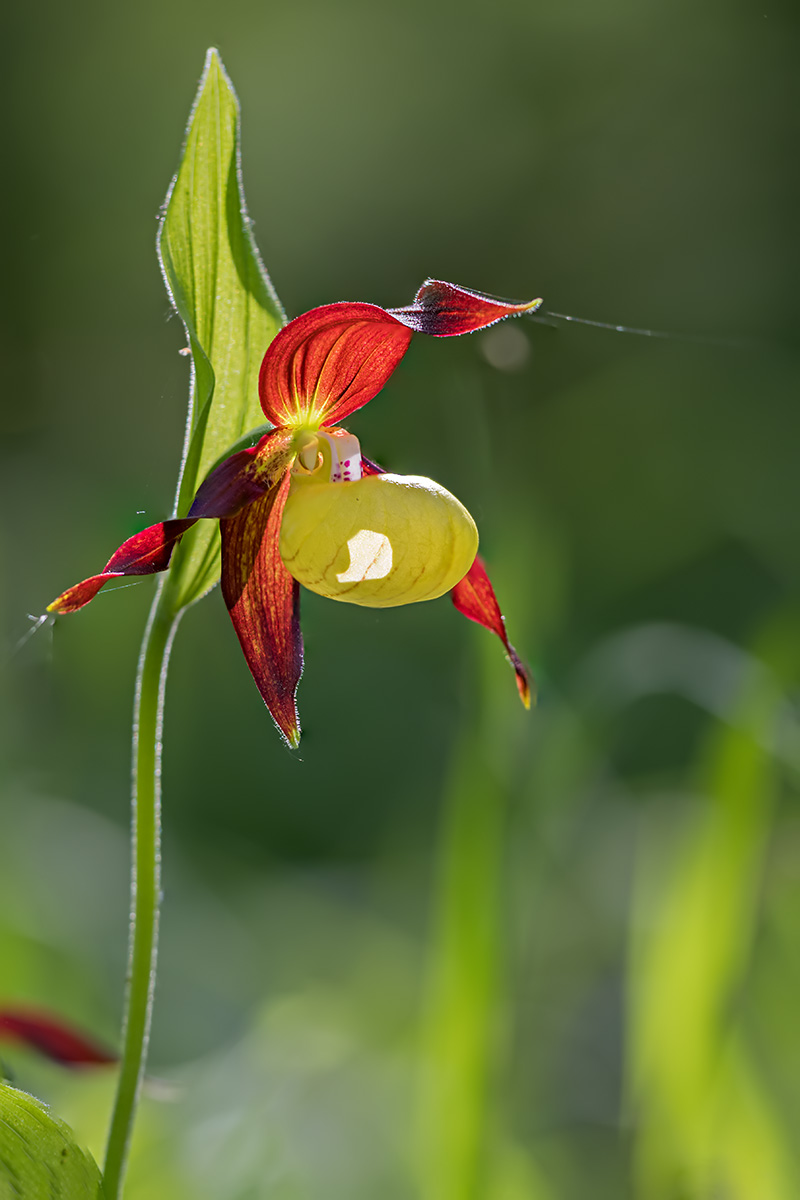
(264, 604)
(330, 362)
(236, 482)
(474, 597)
(244, 476)
(53, 1037)
(228, 488)
(143, 554)
(445, 310)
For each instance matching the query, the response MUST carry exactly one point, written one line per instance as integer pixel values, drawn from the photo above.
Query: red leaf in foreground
(444, 310)
(53, 1037)
(264, 604)
(474, 597)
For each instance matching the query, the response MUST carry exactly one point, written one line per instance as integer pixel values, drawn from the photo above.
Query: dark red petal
(53, 1037)
(330, 362)
(474, 597)
(236, 482)
(368, 467)
(444, 310)
(143, 554)
(244, 476)
(228, 488)
(264, 603)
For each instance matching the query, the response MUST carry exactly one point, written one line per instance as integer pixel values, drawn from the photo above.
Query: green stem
(145, 881)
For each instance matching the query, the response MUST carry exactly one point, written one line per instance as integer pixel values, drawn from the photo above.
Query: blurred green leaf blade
(223, 295)
(705, 1111)
(39, 1156)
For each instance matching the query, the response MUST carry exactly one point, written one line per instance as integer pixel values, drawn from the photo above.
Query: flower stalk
(145, 906)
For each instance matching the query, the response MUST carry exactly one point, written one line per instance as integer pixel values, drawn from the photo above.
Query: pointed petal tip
(526, 688)
(79, 594)
(287, 722)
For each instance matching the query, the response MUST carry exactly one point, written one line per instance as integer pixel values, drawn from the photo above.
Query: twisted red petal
(330, 362)
(264, 603)
(143, 554)
(474, 597)
(245, 476)
(444, 310)
(52, 1036)
(236, 482)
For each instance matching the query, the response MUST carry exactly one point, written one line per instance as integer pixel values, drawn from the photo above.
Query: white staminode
(345, 456)
(370, 557)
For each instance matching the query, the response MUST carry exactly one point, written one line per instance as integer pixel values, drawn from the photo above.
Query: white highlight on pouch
(370, 557)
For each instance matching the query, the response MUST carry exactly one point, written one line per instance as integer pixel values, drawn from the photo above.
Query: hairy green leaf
(39, 1157)
(223, 295)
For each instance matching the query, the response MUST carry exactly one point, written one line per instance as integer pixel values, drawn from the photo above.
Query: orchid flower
(304, 506)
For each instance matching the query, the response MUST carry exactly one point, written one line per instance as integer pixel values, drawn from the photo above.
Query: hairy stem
(145, 881)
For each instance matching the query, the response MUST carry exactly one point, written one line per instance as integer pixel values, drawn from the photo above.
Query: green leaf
(223, 295)
(39, 1157)
(706, 1115)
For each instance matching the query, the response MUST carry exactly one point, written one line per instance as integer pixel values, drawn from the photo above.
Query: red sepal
(445, 310)
(143, 554)
(368, 467)
(330, 362)
(244, 476)
(236, 482)
(228, 488)
(52, 1037)
(264, 604)
(474, 597)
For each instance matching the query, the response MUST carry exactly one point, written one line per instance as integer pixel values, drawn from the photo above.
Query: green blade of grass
(703, 1110)
(463, 1149)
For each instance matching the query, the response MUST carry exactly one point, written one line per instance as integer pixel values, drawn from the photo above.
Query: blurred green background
(449, 950)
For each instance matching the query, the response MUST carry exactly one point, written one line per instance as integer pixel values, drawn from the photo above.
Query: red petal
(228, 488)
(143, 554)
(444, 310)
(236, 482)
(474, 597)
(53, 1037)
(244, 476)
(368, 467)
(330, 362)
(264, 604)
